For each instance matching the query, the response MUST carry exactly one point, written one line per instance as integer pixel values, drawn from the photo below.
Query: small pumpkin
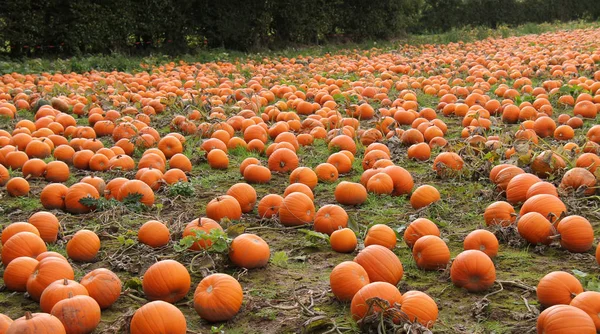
(305, 176)
(218, 297)
(53, 196)
(447, 164)
(576, 234)
(249, 251)
(558, 287)
(83, 246)
(346, 279)
(473, 270)
(225, 206)
(22, 244)
(268, 206)
(578, 179)
(201, 224)
(343, 240)
(482, 240)
(424, 196)
(418, 228)
(76, 193)
(17, 272)
(154, 234)
(17, 187)
(59, 290)
(548, 206)
(330, 218)
(136, 187)
(166, 280)
(296, 209)
(430, 252)
(244, 194)
(381, 234)
(47, 224)
(350, 193)
(419, 307)
(158, 317)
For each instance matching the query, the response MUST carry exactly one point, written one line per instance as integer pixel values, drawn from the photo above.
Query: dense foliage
(60, 27)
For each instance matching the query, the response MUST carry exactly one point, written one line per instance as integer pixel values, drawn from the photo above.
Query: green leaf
(280, 259)
(579, 273)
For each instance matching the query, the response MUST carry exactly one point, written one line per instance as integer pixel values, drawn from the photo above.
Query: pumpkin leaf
(579, 274)
(280, 259)
(236, 229)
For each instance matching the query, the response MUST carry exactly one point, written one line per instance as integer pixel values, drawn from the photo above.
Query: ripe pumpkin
(380, 184)
(268, 206)
(15, 228)
(133, 187)
(78, 314)
(447, 164)
(560, 319)
(305, 176)
(473, 270)
(225, 206)
(257, 174)
(343, 240)
(103, 285)
(77, 192)
(542, 187)
(346, 279)
(166, 280)
(36, 323)
(499, 213)
(5, 322)
(430, 252)
(17, 272)
(547, 163)
(244, 194)
(424, 196)
(326, 172)
(299, 187)
(516, 190)
(419, 306)
(59, 290)
(576, 234)
(218, 297)
(418, 228)
(558, 287)
(578, 179)
(381, 234)
(249, 251)
(17, 187)
(330, 218)
(57, 171)
(589, 302)
(296, 209)
(381, 264)
(53, 196)
(283, 160)
(47, 224)
(158, 317)
(548, 206)
(384, 290)
(154, 234)
(350, 193)
(22, 244)
(402, 179)
(47, 271)
(83, 246)
(482, 240)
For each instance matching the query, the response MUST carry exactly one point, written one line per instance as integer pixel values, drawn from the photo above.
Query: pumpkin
(36, 323)
(330, 218)
(217, 159)
(560, 319)
(380, 184)
(218, 297)
(136, 187)
(424, 196)
(76, 193)
(536, 229)
(558, 287)
(381, 234)
(381, 264)
(343, 240)
(305, 176)
(418, 228)
(103, 285)
(576, 234)
(247, 162)
(542, 187)
(430, 252)
(417, 306)
(589, 302)
(547, 163)
(482, 240)
(59, 290)
(548, 206)
(296, 209)
(53, 196)
(346, 279)
(57, 171)
(244, 194)
(225, 206)
(326, 172)
(17, 272)
(516, 190)
(268, 206)
(283, 160)
(473, 270)
(47, 271)
(249, 251)
(34, 168)
(17, 187)
(83, 246)
(78, 313)
(180, 161)
(15, 228)
(578, 179)
(447, 164)
(47, 224)
(360, 302)
(50, 254)
(403, 181)
(174, 175)
(257, 174)
(350, 193)
(201, 224)
(158, 317)
(150, 176)
(22, 244)
(5, 322)
(166, 280)
(154, 234)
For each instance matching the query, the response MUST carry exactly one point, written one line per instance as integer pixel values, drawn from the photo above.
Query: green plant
(220, 241)
(280, 259)
(589, 282)
(184, 189)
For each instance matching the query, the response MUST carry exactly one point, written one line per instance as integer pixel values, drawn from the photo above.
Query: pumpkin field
(445, 188)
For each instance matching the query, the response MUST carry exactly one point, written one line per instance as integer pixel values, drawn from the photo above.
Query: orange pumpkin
(360, 302)
(381, 234)
(296, 209)
(154, 234)
(482, 240)
(346, 279)
(158, 317)
(558, 287)
(424, 196)
(343, 240)
(103, 285)
(589, 302)
(249, 251)
(83, 246)
(418, 228)
(430, 252)
(564, 319)
(166, 280)
(218, 297)
(473, 270)
(381, 264)
(417, 306)
(330, 218)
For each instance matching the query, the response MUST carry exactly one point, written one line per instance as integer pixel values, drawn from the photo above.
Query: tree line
(75, 27)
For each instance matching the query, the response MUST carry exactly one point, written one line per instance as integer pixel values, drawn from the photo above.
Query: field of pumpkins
(433, 188)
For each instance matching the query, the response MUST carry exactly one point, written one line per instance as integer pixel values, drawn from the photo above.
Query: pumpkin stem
(70, 294)
(28, 315)
(65, 281)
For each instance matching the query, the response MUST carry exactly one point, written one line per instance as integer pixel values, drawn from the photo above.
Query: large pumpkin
(78, 314)
(36, 323)
(346, 279)
(350, 193)
(83, 246)
(103, 285)
(47, 224)
(482, 240)
(535, 228)
(419, 306)
(560, 319)
(249, 251)
(558, 287)
(154, 234)
(244, 194)
(201, 224)
(22, 244)
(48, 270)
(166, 280)
(381, 234)
(218, 297)
(418, 228)
(360, 304)
(296, 209)
(473, 270)
(499, 213)
(268, 206)
(330, 218)
(17, 272)
(589, 302)
(136, 187)
(548, 206)
(381, 264)
(430, 252)
(158, 317)
(576, 234)
(224, 207)
(424, 196)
